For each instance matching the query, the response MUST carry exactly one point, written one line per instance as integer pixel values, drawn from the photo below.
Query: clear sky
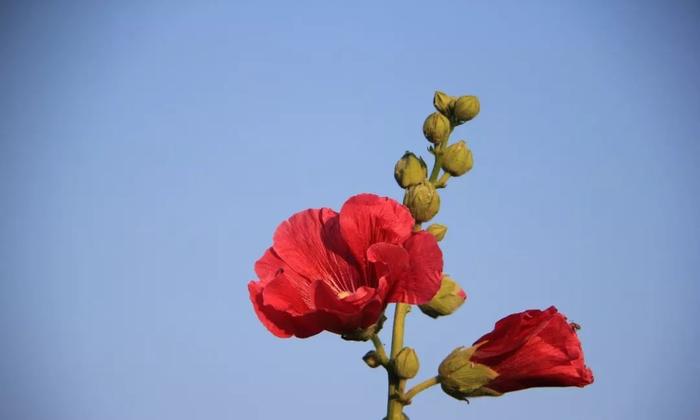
(148, 150)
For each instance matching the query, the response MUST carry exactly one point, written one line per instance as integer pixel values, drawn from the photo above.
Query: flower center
(343, 294)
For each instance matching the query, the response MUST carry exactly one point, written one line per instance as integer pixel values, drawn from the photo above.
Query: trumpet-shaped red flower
(533, 349)
(338, 271)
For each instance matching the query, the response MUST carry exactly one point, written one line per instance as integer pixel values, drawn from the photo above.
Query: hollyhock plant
(338, 271)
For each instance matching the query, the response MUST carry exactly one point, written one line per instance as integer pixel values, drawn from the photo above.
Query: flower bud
(461, 378)
(371, 358)
(448, 299)
(410, 170)
(444, 103)
(457, 159)
(465, 108)
(437, 230)
(436, 128)
(406, 364)
(423, 201)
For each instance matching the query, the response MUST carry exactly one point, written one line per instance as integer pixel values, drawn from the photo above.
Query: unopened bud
(423, 201)
(457, 159)
(438, 231)
(461, 378)
(410, 170)
(466, 108)
(436, 128)
(371, 358)
(444, 103)
(448, 299)
(406, 364)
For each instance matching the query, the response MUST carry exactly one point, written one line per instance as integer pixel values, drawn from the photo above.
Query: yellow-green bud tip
(447, 300)
(457, 159)
(436, 128)
(438, 231)
(410, 170)
(461, 378)
(406, 363)
(444, 103)
(423, 201)
(466, 108)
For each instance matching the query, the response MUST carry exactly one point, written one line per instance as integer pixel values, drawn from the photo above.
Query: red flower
(338, 271)
(533, 349)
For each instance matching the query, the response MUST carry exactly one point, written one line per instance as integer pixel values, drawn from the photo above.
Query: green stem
(421, 387)
(442, 183)
(437, 165)
(402, 309)
(394, 409)
(438, 151)
(396, 399)
(379, 347)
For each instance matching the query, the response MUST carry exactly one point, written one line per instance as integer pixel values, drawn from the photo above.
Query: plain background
(149, 149)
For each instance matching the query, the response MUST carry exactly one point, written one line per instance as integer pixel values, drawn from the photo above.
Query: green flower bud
(444, 103)
(410, 170)
(465, 108)
(423, 201)
(457, 159)
(437, 230)
(461, 378)
(436, 128)
(406, 364)
(371, 358)
(448, 299)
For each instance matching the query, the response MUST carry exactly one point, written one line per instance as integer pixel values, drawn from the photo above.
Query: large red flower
(533, 349)
(338, 271)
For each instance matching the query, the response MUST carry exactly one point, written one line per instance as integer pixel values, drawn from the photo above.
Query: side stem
(379, 348)
(421, 387)
(437, 165)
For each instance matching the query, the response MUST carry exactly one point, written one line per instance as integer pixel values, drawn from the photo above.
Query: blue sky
(148, 150)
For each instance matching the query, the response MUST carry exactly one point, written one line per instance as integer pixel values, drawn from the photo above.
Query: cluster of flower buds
(411, 173)
(457, 110)
(421, 194)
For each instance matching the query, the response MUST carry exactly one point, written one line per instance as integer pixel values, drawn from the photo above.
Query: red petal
(281, 294)
(367, 219)
(270, 266)
(533, 349)
(512, 332)
(310, 244)
(346, 315)
(421, 281)
(280, 323)
(390, 261)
